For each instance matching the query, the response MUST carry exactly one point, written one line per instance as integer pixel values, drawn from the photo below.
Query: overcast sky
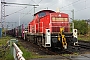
(81, 9)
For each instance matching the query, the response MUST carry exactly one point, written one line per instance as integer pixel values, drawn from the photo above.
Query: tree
(81, 26)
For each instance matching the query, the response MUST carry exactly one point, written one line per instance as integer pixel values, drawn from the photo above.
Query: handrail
(17, 53)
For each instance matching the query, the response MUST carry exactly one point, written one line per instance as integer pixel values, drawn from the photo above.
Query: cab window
(42, 14)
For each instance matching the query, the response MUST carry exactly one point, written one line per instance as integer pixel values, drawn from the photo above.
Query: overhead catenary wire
(40, 1)
(23, 9)
(83, 8)
(17, 4)
(51, 4)
(30, 9)
(15, 12)
(76, 2)
(19, 10)
(26, 13)
(70, 4)
(34, 2)
(13, 6)
(64, 6)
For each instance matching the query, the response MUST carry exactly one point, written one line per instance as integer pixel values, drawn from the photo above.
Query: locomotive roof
(44, 11)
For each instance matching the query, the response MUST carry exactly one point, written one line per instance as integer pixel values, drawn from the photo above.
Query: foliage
(3, 40)
(7, 55)
(85, 37)
(82, 26)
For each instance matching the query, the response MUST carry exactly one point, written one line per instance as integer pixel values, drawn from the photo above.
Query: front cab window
(42, 14)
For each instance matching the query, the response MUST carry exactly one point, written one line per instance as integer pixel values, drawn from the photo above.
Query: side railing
(15, 50)
(17, 53)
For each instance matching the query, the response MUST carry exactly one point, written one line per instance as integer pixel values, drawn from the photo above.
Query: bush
(81, 26)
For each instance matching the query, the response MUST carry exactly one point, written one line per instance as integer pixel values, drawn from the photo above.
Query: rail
(17, 53)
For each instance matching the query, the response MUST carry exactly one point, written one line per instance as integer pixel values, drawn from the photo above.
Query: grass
(84, 38)
(75, 53)
(7, 55)
(4, 40)
(27, 54)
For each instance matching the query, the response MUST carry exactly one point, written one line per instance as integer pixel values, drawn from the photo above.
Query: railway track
(84, 44)
(39, 48)
(47, 51)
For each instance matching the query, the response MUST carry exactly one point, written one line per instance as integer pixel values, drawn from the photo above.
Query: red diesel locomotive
(51, 29)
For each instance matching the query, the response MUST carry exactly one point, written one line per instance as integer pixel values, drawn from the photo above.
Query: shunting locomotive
(51, 29)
